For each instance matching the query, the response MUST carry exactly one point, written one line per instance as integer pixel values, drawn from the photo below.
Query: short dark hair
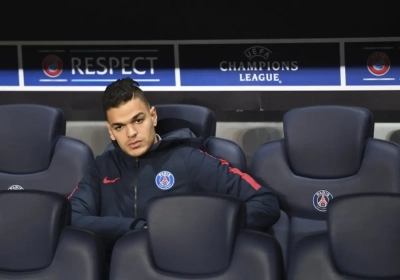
(120, 92)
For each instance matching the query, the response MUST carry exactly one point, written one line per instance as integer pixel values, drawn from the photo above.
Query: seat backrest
(35, 153)
(204, 240)
(200, 120)
(362, 241)
(327, 151)
(37, 244)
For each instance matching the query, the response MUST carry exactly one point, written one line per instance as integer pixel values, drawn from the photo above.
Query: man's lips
(135, 144)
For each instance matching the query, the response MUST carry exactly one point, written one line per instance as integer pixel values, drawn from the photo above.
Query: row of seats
(326, 152)
(362, 242)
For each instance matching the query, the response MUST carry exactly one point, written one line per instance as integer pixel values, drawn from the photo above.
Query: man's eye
(118, 127)
(139, 121)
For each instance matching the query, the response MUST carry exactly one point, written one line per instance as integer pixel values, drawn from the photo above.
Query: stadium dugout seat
(35, 154)
(204, 240)
(362, 241)
(37, 243)
(201, 121)
(327, 151)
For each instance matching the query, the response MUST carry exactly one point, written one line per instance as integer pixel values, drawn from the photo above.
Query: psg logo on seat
(321, 200)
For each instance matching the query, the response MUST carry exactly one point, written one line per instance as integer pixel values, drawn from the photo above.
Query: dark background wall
(191, 19)
(186, 20)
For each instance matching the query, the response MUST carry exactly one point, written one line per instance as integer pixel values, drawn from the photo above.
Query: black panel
(171, 20)
(228, 106)
(9, 66)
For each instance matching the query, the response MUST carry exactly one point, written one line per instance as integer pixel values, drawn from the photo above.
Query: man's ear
(110, 132)
(153, 114)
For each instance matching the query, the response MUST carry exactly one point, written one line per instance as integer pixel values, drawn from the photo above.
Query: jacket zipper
(136, 180)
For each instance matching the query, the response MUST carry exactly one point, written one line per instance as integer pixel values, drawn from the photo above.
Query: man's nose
(131, 131)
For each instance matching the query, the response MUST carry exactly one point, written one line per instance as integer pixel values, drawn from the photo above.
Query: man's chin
(136, 152)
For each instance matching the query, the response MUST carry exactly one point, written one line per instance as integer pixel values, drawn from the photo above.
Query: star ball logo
(378, 63)
(52, 65)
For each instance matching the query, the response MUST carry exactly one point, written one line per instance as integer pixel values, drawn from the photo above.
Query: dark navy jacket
(111, 198)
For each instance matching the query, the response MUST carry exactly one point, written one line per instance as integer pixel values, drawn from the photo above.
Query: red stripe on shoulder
(246, 177)
(243, 175)
(73, 191)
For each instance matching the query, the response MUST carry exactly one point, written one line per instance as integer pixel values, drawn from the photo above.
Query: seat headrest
(326, 142)
(199, 238)
(200, 120)
(30, 225)
(364, 235)
(28, 135)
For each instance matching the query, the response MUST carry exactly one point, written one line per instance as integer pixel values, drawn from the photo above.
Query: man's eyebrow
(133, 118)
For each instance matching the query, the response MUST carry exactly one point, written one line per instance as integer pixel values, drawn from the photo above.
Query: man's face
(132, 125)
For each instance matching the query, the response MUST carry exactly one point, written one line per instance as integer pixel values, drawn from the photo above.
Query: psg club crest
(378, 63)
(52, 65)
(321, 200)
(165, 180)
(15, 188)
